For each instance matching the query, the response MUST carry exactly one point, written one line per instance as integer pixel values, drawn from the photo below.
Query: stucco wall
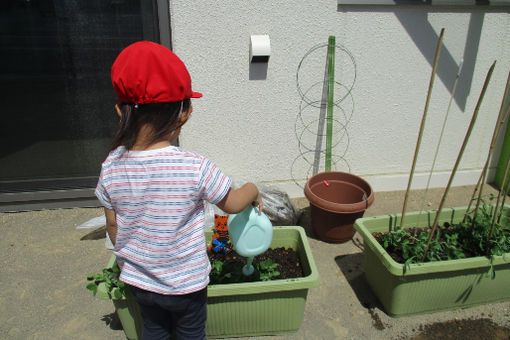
(246, 121)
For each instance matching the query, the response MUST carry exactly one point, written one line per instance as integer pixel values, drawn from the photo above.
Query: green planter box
(246, 309)
(433, 286)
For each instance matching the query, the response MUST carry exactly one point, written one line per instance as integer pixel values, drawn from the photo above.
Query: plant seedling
(115, 288)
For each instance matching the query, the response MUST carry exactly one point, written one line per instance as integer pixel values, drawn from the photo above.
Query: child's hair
(161, 117)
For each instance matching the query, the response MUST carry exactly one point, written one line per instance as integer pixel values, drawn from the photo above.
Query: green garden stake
(331, 85)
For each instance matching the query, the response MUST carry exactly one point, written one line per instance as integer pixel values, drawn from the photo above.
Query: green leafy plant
(471, 237)
(115, 288)
(267, 270)
(224, 272)
(231, 272)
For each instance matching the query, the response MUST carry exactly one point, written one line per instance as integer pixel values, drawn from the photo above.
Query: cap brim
(196, 95)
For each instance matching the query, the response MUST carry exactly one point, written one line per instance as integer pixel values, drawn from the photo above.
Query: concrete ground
(44, 265)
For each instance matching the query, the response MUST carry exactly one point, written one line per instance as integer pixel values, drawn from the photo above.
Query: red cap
(146, 72)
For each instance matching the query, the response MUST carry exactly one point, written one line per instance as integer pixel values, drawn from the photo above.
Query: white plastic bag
(93, 223)
(277, 206)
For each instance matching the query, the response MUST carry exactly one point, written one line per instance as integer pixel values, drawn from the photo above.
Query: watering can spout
(251, 234)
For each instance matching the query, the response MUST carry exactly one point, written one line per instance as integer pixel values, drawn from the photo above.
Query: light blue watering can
(251, 234)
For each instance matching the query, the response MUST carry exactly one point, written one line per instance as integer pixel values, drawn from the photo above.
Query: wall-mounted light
(260, 48)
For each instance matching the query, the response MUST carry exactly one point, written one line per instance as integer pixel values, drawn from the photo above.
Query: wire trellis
(309, 123)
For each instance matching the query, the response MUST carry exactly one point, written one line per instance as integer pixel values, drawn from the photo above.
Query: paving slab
(45, 261)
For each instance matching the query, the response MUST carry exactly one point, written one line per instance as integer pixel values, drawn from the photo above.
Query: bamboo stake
(505, 101)
(480, 194)
(497, 201)
(502, 116)
(445, 120)
(422, 126)
(505, 189)
(500, 122)
(459, 157)
(477, 186)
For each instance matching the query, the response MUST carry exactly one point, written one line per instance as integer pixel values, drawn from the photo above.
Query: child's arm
(111, 224)
(236, 200)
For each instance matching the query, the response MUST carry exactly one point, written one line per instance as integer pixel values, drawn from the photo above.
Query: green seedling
(267, 270)
(229, 272)
(115, 288)
(469, 238)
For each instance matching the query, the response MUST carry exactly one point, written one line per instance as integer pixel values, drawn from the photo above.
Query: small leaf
(117, 294)
(93, 287)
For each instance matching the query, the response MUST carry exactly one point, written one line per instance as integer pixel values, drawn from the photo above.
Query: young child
(154, 193)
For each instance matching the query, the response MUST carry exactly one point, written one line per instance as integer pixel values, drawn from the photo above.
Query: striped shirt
(158, 198)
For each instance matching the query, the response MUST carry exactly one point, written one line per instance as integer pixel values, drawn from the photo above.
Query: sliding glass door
(56, 96)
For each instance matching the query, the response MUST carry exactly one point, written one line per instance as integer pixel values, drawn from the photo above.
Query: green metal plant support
(331, 85)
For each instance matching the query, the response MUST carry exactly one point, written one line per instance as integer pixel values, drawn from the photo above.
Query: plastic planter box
(247, 309)
(127, 309)
(432, 286)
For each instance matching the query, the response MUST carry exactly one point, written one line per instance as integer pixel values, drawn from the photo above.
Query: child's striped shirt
(158, 197)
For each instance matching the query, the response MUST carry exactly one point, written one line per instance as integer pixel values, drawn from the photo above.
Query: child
(154, 193)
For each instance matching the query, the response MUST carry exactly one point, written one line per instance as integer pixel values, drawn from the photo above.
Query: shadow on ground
(478, 329)
(113, 321)
(305, 222)
(351, 266)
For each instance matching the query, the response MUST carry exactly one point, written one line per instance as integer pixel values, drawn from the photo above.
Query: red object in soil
(335, 207)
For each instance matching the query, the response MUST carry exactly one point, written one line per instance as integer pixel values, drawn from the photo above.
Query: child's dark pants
(162, 314)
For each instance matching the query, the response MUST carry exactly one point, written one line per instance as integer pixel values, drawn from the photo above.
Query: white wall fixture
(260, 48)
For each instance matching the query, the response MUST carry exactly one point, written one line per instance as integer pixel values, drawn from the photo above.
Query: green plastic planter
(432, 286)
(248, 309)
(127, 309)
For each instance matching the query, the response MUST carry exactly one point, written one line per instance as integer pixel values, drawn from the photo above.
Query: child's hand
(258, 203)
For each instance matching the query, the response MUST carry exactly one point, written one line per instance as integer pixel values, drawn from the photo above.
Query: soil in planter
(287, 260)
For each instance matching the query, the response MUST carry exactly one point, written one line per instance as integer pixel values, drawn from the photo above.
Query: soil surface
(289, 264)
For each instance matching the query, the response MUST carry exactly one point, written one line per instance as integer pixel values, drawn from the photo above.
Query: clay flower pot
(337, 199)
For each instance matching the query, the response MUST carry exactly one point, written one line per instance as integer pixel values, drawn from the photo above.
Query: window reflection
(56, 95)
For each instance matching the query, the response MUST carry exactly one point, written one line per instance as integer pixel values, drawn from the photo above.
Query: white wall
(248, 125)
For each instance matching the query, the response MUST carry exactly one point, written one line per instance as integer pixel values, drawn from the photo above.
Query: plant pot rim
(335, 207)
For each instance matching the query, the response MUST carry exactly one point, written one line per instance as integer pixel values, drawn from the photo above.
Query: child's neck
(143, 141)
(157, 145)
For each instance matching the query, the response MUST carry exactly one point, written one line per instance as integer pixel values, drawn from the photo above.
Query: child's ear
(117, 109)
(185, 115)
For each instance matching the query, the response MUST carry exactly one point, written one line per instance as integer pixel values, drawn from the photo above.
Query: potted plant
(421, 287)
(232, 308)
(452, 258)
(106, 285)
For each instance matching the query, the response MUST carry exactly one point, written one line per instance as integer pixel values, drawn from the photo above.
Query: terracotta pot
(337, 199)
